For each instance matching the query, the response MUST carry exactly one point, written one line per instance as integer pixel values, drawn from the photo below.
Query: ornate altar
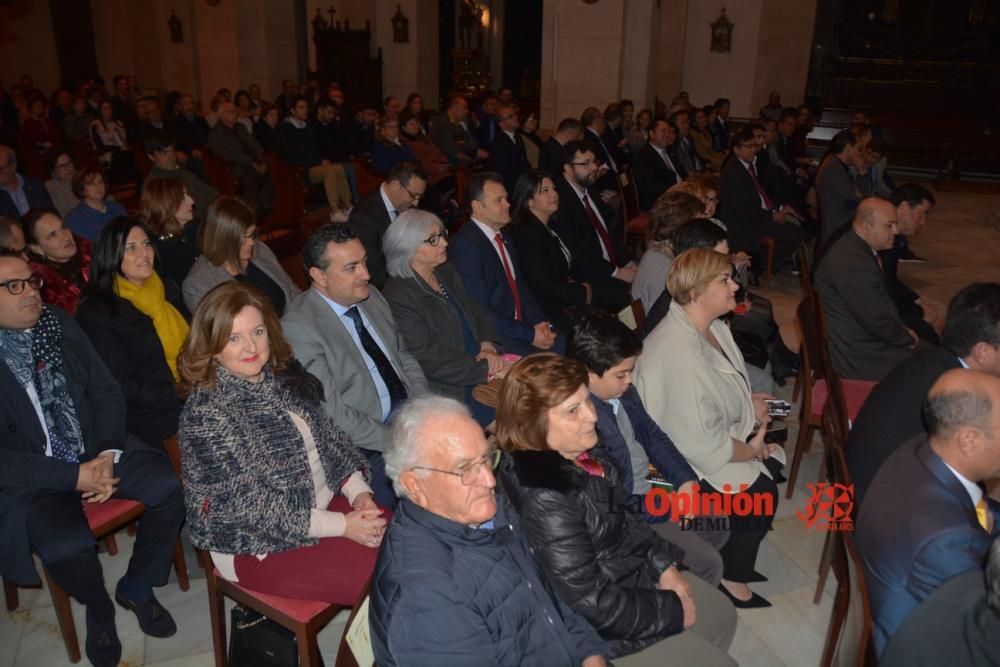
(470, 64)
(344, 56)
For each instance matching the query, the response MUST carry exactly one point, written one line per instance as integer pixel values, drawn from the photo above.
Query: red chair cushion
(638, 224)
(100, 513)
(301, 610)
(855, 392)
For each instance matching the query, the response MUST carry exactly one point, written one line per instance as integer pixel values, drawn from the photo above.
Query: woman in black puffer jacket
(606, 563)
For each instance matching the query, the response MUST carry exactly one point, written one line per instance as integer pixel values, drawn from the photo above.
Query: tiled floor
(960, 242)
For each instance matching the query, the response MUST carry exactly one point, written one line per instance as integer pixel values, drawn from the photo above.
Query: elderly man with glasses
(455, 582)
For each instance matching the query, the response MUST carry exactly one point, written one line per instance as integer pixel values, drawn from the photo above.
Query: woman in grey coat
(449, 334)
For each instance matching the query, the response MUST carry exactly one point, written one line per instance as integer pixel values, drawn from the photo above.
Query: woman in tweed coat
(262, 464)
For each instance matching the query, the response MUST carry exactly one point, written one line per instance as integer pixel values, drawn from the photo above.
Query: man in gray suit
(343, 333)
(835, 191)
(866, 336)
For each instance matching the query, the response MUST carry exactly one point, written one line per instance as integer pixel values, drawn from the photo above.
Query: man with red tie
(484, 256)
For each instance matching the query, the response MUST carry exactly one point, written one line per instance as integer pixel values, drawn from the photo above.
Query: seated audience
(671, 211)
(343, 332)
(637, 134)
(190, 129)
(891, 415)
(633, 441)
(587, 228)
(19, 193)
(607, 564)
(720, 125)
(434, 163)
(232, 142)
(748, 211)
(96, 208)
(866, 336)
(359, 130)
(507, 152)
(108, 135)
(483, 254)
(450, 132)
(613, 135)
(486, 120)
(391, 106)
(168, 214)
(959, 623)
(60, 186)
(390, 149)
(913, 204)
(875, 180)
(329, 133)
(38, 135)
(12, 238)
(450, 335)
(837, 195)
(160, 150)
(297, 146)
(231, 251)
(244, 113)
(71, 444)
(938, 477)
(265, 130)
(133, 320)
(402, 190)
(61, 259)
(76, 124)
(654, 167)
(292, 496)
(415, 106)
(455, 581)
(550, 155)
(693, 381)
(703, 138)
(772, 110)
(684, 148)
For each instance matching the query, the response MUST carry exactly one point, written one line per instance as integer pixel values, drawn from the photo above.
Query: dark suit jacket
(739, 206)
(611, 138)
(100, 407)
(508, 159)
(652, 176)
(235, 145)
(916, 529)
(574, 228)
(358, 139)
(454, 140)
(34, 192)
(601, 150)
(483, 277)
(191, 133)
(892, 414)
(369, 220)
(550, 158)
(866, 336)
(953, 626)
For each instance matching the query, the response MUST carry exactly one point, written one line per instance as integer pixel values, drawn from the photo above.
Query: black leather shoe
(756, 577)
(755, 601)
(154, 620)
(102, 647)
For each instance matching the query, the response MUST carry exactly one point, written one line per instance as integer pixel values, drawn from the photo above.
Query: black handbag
(257, 641)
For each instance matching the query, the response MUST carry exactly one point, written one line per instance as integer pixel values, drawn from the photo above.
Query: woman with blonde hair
(168, 213)
(671, 211)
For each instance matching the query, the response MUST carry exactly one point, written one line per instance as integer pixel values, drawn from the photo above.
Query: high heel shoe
(755, 601)
(756, 577)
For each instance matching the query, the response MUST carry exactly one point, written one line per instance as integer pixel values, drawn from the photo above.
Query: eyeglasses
(413, 196)
(16, 285)
(470, 472)
(584, 164)
(434, 240)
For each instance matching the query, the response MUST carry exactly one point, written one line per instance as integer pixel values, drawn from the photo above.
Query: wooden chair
(368, 179)
(218, 173)
(639, 313)
(768, 244)
(808, 289)
(636, 221)
(104, 519)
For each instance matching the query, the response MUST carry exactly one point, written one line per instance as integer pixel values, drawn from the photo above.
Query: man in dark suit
(359, 130)
(191, 130)
(507, 154)
(450, 132)
(748, 211)
(550, 156)
(913, 204)
(891, 413)
(587, 228)
(684, 146)
(653, 167)
(926, 517)
(593, 132)
(866, 336)
(402, 190)
(19, 193)
(613, 137)
(343, 333)
(836, 194)
(63, 417)
(488, 121)
(720, 127)
(484, 256)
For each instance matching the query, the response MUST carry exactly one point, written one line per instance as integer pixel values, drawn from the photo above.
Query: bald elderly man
(866, 336)
(926, 517)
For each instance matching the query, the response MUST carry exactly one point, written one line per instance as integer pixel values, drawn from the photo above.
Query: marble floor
(960, 243)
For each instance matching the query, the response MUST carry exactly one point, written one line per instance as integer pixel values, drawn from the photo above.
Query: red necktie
(592, 466)
(601, 231)
(510, 277)
(768, 204)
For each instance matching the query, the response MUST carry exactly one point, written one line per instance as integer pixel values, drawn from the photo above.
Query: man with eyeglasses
(64, 444)
(507, 153)
(455, 582)
(19, 193)
(402, 190)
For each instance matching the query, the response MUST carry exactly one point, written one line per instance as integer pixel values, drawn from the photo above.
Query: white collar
(975, 493)
(388, 204)
(300, 124)
(490, 233)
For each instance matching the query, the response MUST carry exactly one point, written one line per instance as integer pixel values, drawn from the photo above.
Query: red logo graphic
(830, 507)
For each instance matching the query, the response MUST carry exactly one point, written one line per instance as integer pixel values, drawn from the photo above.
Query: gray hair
(404, 450)
(404, 236)
(945, 413)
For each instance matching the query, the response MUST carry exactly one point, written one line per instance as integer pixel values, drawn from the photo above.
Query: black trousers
(739, 554)
(58, 531)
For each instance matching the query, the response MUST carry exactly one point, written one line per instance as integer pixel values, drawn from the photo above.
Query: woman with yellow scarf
(134, 319)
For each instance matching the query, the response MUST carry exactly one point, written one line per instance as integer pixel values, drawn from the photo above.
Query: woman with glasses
(60, 186)
(604, 561)
(134, 320)
(275, 491)
(60, 258)
(230, 251)
(449, 334)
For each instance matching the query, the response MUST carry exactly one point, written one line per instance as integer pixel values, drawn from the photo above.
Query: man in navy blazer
(926, 517)
(507, 153)
(19, 194)
(484, 256)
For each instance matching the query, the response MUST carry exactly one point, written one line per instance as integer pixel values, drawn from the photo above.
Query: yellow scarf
(151, 300)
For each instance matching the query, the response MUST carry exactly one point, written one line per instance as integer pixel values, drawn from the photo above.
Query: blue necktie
(397, 390)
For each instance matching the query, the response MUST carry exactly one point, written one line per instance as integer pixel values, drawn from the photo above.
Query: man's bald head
(963, 425)
(875, 222)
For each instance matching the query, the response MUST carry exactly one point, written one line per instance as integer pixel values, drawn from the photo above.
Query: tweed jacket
(204, 275)
(247, 482)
